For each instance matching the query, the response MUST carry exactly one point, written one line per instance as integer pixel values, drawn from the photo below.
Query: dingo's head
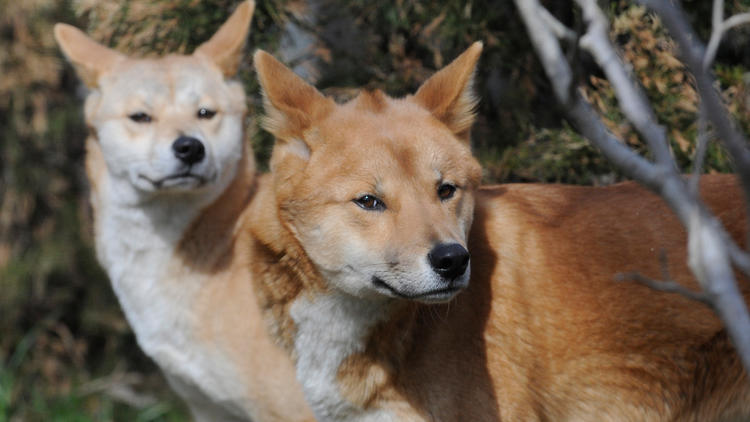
(170, 124)
(378, 191)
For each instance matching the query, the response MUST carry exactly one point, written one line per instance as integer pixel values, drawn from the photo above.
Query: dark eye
(140, 117)
(205, 113)
(370, 203)
(446, 191)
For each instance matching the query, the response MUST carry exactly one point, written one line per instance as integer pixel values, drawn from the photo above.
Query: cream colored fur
(167, 231)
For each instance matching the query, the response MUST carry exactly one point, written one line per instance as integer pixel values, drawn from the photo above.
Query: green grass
(37, 405)
(27, 394)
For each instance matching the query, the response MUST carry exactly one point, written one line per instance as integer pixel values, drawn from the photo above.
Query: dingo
(375, 200)
(170, 181)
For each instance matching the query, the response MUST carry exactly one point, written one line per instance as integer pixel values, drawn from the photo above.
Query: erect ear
(448, 94)
(89, 58)
(291, 105)
(225, 46)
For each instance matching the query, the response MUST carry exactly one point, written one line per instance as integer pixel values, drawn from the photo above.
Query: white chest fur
(330, 328)
(136, 244)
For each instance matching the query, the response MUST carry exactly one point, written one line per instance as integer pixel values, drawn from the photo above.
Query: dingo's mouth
(176, 180)
(430, 296)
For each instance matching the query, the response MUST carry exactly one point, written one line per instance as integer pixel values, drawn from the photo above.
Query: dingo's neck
(330, 328)
(323, 329)
(149, 248)
(179, 270)
(358, 359)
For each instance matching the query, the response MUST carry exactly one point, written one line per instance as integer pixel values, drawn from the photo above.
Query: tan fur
(194, 311)
(543, 332)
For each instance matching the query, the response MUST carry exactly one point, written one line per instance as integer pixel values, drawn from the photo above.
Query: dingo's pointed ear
(225, 46)
(291, 105)
(89, 58)
(448, 94)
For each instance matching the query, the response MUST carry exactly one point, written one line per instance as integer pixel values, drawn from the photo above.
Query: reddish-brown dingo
(363, 271)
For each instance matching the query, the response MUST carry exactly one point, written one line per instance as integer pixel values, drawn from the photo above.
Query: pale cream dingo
(170, 181)
(366, 251)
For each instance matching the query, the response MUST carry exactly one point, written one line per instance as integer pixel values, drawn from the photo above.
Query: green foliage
(553, 155)
(36, 386)
(75, 407)
(396, 47)
(651, 54)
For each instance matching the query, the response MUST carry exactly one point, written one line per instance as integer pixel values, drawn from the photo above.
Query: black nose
(449, 259)
(189, 150)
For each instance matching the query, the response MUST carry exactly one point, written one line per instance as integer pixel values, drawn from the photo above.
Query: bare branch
(668, 286)
(709, 246)
(719, 28)
(713, 46)
(717, 14)
(548, 49)
(736, 20)
(561, 31)
(630, 96)
(700, 151)
(709, 260)
(579, 111)
(692, 53)
(665, 179)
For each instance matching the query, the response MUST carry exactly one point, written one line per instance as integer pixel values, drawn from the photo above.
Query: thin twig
(668, 286)
(720, 27)
(119, 385)
(736, 20)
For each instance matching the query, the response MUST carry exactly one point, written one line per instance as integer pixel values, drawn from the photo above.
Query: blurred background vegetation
(66, 352)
